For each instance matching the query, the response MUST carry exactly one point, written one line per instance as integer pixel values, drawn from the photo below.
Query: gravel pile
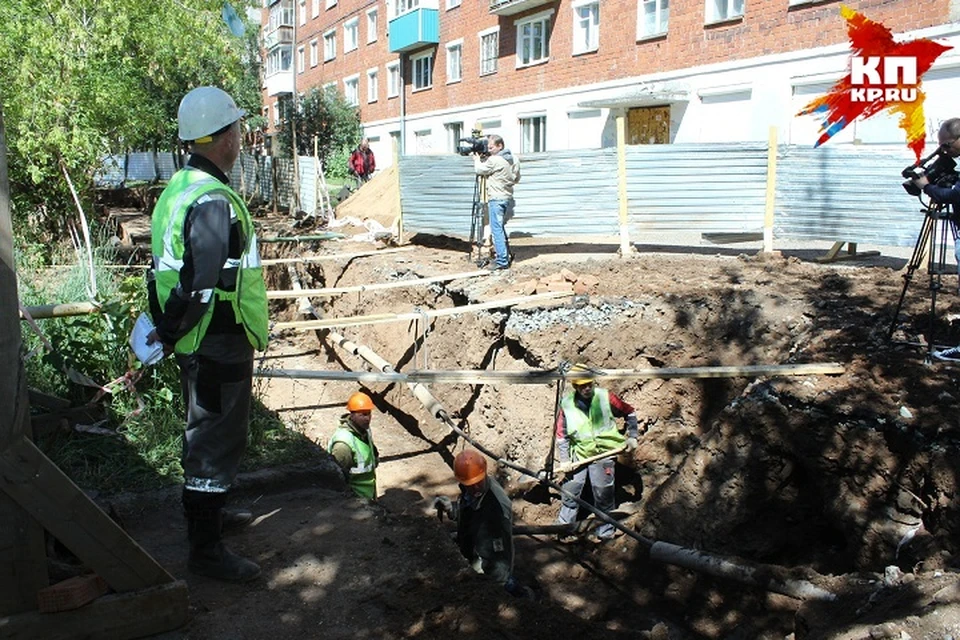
(597, 315)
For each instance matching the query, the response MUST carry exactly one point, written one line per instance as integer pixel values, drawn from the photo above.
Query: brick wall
(767, 27)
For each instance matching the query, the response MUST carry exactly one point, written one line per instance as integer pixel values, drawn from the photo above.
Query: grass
(148, 421)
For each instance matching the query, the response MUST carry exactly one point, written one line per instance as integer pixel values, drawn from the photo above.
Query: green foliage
(85, 78)
(326, 116)
(148, 418)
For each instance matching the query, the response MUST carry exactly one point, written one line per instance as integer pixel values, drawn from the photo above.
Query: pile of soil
(848, 481)
(378, 199)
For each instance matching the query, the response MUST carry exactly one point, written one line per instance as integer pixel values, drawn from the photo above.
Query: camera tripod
(476, 221)
(939, 221)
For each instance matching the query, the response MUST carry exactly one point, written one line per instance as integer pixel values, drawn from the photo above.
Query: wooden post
(626, 250)
(22, 557)
(771, 191)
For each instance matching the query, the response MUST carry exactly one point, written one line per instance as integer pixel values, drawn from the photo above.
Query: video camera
(476, 143)
(941, 172)
(472, 145)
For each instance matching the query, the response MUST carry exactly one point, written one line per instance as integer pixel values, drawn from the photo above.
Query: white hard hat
(204, 111)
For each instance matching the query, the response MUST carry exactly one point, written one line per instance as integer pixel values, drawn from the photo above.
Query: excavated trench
(817, 474)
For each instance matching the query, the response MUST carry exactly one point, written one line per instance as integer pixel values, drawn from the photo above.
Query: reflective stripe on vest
(592, 434)
(363, 476)
(249, 300)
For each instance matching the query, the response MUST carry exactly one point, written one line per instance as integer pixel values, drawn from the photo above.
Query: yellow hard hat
(581, 374)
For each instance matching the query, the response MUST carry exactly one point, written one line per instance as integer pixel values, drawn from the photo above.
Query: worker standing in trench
(484, 517)
(585, 428)
(352, 447)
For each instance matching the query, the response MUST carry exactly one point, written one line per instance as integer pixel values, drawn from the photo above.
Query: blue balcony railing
(414, 29)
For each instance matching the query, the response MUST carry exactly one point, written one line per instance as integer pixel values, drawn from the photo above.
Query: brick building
(554, 74)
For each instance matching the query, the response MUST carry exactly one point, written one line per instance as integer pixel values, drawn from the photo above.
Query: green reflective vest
(592, 434)
(249, 299)
(363, 474)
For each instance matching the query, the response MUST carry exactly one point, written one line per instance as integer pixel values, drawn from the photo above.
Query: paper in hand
(149, 354)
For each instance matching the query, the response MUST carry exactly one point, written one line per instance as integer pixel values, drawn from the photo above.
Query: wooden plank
(61, 310)
(48, 422)
(47, 401)
(481, 376)
(120, 616)
(333, 256)
(731, 238)
(379, 286)
(834, 255)
(48, 495)
(310, 325)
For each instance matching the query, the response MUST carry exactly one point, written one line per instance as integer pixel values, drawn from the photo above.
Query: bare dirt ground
(849, 481)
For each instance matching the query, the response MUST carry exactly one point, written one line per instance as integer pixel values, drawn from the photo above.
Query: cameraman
(502, 171)
(949, 137)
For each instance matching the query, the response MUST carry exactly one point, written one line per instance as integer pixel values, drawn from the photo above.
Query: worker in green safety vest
(352, 447)
(585, 428)
(209, 305)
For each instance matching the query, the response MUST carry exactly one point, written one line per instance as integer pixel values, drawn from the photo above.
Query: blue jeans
(500, 211)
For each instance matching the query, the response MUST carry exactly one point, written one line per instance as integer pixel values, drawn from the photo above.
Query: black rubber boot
(208, 556)
(233, 519)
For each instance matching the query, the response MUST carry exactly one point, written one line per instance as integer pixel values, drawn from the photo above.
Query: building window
(276, 114)
(279, 60)
(424, 141)
(533, 134)
(373, 85)
(351, 31)
(303, 12)
(329, 45)
(586, 26)
(422, 71)
(720, 10)
(372, 25)
(455, 61)
(452, 4)
(315, 8)
(313, 53)
(652, 17)
(300, 59)
(454, 133)
(533, 44)
(330, 88)
(489, 50)
(330, 4)
(402, 6)
(281, 15)
(351, 90)
(393, 79)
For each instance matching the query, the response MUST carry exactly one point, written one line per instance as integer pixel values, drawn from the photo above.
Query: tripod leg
(916, 260)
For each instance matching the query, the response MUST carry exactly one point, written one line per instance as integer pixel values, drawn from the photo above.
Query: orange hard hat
(360, 402)
(470, 467)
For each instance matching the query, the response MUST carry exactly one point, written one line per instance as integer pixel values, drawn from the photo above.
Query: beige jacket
(502, 171)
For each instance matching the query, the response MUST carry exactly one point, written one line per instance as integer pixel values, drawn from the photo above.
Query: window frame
(453, 4)
(373, 18)
(415, 73)
(314, 8)
(539, 130)
(458, 45)
(544, 18)
(393, 72)
(301, 59)
(330, 52)
(711, 15)
(658, 17)
(454, 131)
(373, 84)
(351, 26)
(592, 43)
(353, 80)
(330, 4)
(486, 70)
(314, 53)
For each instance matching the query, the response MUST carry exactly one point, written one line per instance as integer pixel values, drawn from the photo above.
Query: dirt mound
(378, 199)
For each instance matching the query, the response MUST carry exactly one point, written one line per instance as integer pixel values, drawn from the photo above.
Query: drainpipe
(403, 105)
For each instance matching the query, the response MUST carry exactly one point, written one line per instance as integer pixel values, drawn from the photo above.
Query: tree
(326, 115)
(85, 78)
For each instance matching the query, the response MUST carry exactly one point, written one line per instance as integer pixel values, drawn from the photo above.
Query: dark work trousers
(604, 498)
(217, 383)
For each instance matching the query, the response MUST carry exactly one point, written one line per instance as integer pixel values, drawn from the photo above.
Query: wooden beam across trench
(481, 376)
(379, 286)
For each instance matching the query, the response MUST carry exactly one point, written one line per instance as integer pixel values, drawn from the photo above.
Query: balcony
(414, 29)
(510, 7)
(278, 83)
(279, 35)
